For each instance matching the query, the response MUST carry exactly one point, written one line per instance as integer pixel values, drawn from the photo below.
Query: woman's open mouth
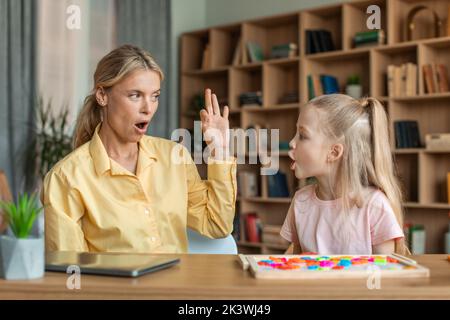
(293, 165)
(141, 127)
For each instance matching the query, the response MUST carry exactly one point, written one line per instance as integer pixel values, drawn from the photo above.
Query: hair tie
(365, 102)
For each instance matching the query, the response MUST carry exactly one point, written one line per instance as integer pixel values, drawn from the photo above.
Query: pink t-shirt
(319, 226)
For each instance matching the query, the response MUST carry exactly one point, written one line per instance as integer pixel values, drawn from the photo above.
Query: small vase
(354, 90)
(447, 240)
(21, 259)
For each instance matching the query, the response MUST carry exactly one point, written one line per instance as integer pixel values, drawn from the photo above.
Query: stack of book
(289, 97)
(407, 134)
(322, 84)
(435, 76)
(402, 80)
(248, 184)
(277, 185)
(286, 50)
(318, 40)
(369, 38)
(251, 99)
(252, 227)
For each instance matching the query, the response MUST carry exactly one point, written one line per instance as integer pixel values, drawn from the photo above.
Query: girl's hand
(214, 126)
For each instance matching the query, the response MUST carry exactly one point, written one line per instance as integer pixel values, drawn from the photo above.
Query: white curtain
(67, 57)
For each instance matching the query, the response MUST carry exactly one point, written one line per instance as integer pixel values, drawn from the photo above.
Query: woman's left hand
(214, 126)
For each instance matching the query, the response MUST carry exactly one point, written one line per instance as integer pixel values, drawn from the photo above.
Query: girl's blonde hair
(362, 126)
(111, 69)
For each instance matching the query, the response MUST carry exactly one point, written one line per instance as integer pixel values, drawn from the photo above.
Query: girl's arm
(386, 247)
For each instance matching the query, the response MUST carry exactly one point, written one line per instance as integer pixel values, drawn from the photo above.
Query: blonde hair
(111, 69)
(362, 126)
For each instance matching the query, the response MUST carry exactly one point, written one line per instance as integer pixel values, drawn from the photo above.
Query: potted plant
(50, 143)
(354, 88)
(21, 255)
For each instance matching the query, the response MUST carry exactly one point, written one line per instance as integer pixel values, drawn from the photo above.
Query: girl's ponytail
(383, 163)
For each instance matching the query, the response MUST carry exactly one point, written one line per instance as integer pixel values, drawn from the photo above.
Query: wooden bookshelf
(422, 173)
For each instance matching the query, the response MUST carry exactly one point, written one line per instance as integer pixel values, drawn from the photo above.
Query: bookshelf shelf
(281, 81)
(282, 61)
(428, 96)
(443, 206)
(355, 17)
(279, 107)
(341, 67)
(244, 79)
(398, 15)
(338, 54)
(422, 172)
(224, 41)
(328, 18)
(408, 151)
(268, 32)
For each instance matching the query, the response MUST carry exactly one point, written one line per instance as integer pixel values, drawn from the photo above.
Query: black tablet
(109, 264)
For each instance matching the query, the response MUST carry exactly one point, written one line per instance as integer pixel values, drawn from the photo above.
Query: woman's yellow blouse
(91, 203)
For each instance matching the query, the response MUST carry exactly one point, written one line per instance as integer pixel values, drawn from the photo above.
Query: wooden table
(221, 277)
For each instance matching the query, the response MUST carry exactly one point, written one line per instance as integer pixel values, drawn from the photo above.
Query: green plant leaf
(21, 216)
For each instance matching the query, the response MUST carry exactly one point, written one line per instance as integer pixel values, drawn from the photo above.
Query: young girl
(355, 206)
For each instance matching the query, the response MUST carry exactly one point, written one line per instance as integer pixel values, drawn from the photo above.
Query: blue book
(329, 84)
(278, 186)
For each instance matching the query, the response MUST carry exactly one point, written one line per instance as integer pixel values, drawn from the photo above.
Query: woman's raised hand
(215, 127)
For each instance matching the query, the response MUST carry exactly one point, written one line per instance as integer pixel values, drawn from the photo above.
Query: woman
(122, 191)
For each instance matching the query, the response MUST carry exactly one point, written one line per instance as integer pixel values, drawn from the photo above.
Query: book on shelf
(253, 227)
(402, 80)
(206, 61)
(286, 50)
(237, 56)
(283, 146)
(289, 97)
(322, 84)
(255, 52)
(369, 38)
(407, 134)
(319, 40)
(435, 77)
(248, 184)
(277, 185)
(251, 98)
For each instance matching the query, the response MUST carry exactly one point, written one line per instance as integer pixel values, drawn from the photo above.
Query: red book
(252, 231)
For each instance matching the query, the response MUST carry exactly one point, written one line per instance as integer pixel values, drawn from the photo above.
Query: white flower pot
(21, 259)
(354, 90)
